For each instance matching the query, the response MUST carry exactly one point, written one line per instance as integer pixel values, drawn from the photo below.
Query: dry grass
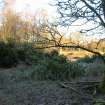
(95, 69)
(74, 55)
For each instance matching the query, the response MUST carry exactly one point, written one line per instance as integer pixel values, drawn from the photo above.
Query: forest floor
(23, 91)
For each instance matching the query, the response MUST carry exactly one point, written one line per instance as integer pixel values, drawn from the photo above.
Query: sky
(31, 6)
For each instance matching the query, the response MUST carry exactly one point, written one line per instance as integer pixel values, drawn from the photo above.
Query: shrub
(88, 59)
(39, 72)
(27, 53)
(102, 85)
(8, 56)
(56, 68)
(76, 70)
(21, 54)
(46, 66)
(95, 69)
(11, 42)
(54, 52)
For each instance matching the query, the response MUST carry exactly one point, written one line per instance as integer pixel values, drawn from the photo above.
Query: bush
(88, 59)
(76, 70)
(11, 42)
(21, 53)
(102, 85)
(11, 53)
(39, 72)
(56, 68)
(46, 65)
(95, 69)
(54, 52)
(26, 52)
(8, 56)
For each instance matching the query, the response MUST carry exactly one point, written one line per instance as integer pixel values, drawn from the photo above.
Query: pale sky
(31, 6)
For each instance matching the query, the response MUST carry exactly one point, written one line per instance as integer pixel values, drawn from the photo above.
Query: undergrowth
(46, 66)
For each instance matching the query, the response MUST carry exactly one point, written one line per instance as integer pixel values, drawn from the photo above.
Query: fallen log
(76, 91)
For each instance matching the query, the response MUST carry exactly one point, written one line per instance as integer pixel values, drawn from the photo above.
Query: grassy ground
(17, 88)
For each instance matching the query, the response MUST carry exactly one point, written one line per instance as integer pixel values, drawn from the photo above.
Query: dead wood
(81, 95)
